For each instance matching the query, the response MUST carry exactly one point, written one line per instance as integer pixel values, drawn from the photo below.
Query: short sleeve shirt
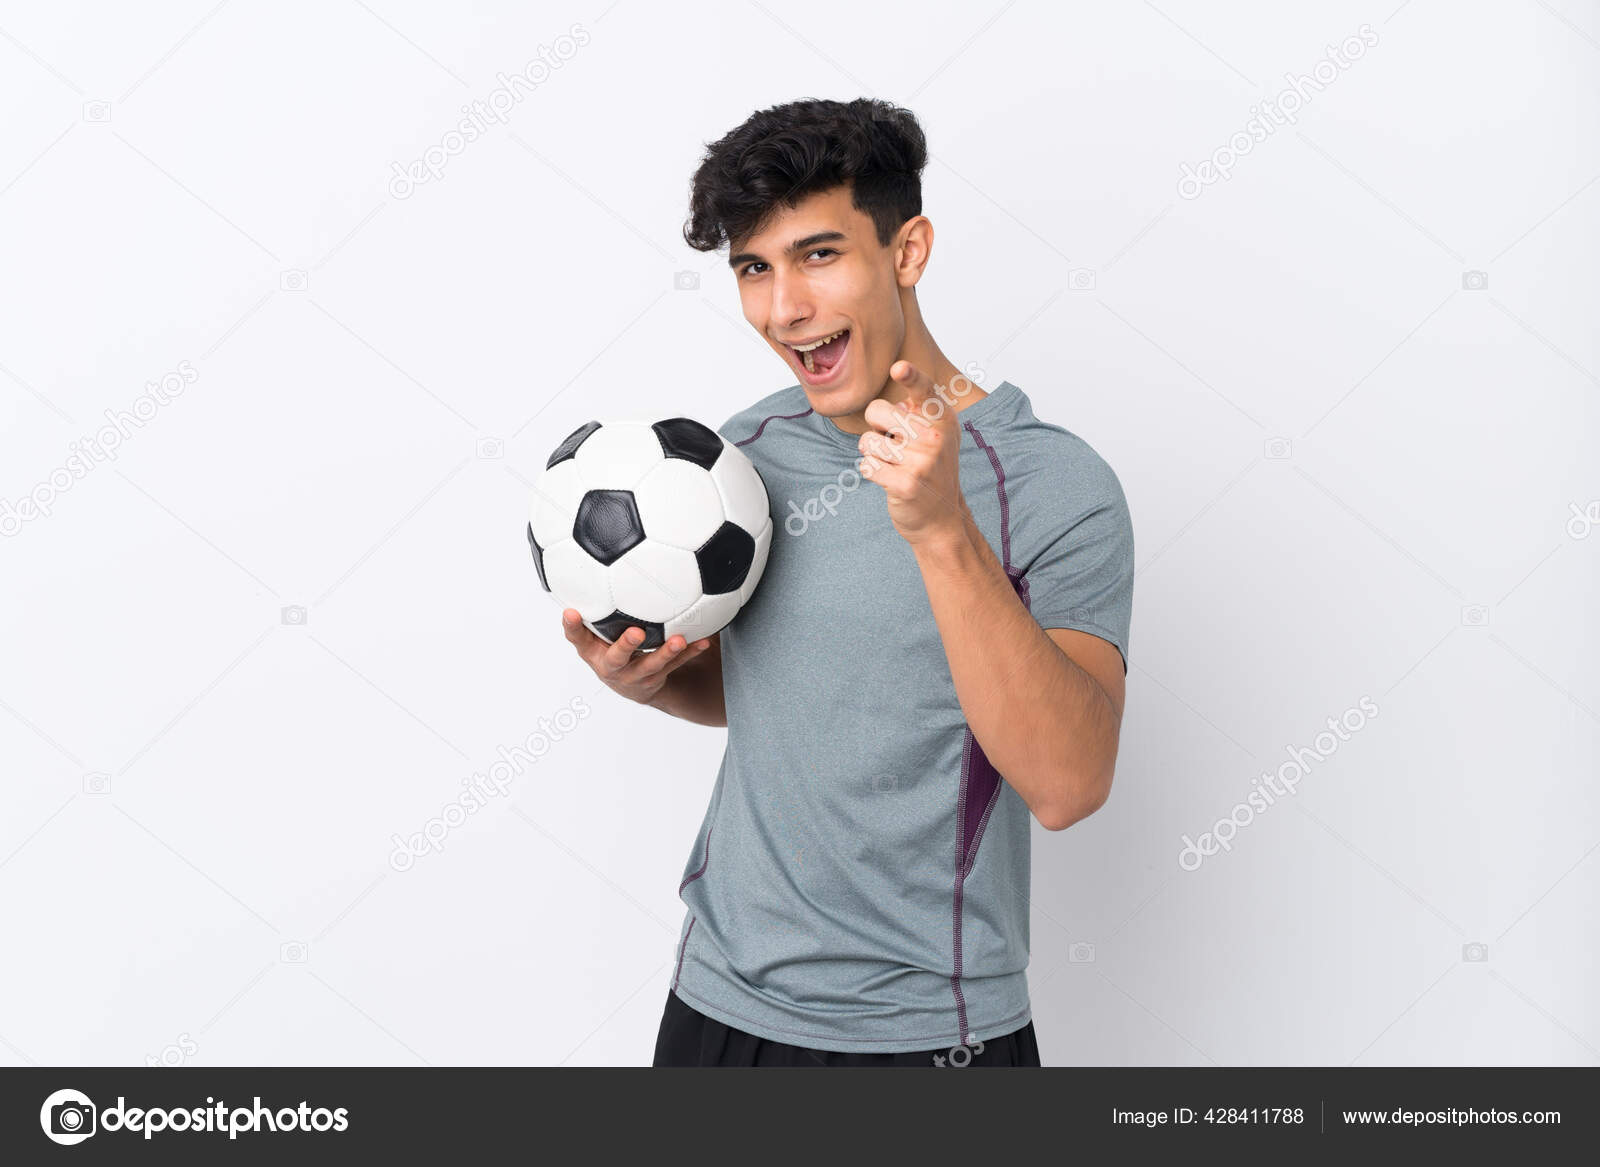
(860, 880)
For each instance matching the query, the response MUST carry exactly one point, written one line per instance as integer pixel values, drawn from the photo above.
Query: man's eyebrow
(805, 244)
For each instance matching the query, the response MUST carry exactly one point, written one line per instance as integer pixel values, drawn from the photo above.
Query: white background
(197, 799)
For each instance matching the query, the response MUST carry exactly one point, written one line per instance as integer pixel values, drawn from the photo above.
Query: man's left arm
(1045, 704)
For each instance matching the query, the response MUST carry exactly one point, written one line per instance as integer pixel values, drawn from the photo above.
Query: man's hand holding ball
(631, 673)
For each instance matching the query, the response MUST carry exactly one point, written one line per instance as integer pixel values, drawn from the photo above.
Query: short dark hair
(786, 152)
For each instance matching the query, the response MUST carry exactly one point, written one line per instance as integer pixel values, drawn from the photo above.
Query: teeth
(805, 348)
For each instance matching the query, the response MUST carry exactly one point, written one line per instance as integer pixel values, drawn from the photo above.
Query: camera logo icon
(1475, 281)
(293, 280)
(1081, 279)
(1475, 953)
(1475, 616)
(1081, 953)
(885, 783)
(97, 111)
(68, 1117)
(1277, 449)
(292, 952)
(294, 614)
(97, 783)
(686, 281)
(491, 448)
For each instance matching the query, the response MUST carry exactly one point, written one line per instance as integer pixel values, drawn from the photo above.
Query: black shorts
(690, 1038)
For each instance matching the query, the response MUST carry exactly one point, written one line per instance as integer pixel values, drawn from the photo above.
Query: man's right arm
(679, 678)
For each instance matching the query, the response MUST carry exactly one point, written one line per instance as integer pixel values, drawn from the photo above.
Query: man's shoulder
(1043, 451)
(744, 425)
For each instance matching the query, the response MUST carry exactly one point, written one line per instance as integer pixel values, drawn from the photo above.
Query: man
(947, 602)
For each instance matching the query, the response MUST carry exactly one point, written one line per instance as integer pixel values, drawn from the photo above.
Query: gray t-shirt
(860, 882)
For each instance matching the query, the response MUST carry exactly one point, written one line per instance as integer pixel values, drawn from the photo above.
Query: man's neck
(961, 390)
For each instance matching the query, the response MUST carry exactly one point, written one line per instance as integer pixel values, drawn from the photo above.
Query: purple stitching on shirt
(688, 879)
(980, 781)
(968, 741)
(765, 420)
(986, 787)
(682, 948)
(980, 788)
(1000, 485)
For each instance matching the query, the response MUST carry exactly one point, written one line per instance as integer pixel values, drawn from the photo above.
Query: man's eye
(749, 268)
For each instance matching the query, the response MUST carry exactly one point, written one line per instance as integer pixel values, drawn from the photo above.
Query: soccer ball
(664, 527)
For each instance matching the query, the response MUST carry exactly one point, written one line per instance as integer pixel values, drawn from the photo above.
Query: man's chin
(828, 403)
(835, 400)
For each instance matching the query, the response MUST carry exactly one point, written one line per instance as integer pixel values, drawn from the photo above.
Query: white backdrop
(1350, 390)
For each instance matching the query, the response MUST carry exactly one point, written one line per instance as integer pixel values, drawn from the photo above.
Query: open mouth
(821, 359)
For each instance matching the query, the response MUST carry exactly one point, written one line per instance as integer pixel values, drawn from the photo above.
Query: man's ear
(913, 247)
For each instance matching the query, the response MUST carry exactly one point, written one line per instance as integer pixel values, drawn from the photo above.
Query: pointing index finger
(921, 391)
(920, 386)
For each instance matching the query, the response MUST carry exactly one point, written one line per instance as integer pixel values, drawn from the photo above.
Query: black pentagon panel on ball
(608, 524)
(683, 437)
(538, 558)
(725, 559)
(617, 623)
(570, 445)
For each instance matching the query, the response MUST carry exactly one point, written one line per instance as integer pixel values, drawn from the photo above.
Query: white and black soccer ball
(664, 527)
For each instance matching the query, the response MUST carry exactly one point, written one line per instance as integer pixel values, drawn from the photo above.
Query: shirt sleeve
(1083, 577)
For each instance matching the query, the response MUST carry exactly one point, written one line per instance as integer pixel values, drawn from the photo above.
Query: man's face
(816, 270)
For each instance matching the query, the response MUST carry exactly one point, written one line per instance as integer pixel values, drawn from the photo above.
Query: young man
(935, 655)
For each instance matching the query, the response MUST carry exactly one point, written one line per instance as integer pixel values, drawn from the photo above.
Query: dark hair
(786, 152)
